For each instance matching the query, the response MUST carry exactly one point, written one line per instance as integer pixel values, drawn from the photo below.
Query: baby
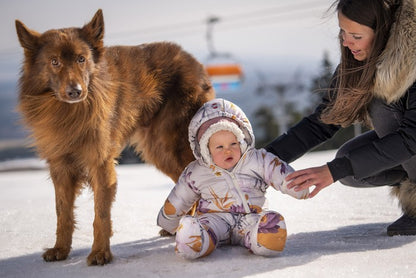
(228, 180)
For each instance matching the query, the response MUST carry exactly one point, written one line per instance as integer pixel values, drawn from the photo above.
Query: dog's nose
(73, 92)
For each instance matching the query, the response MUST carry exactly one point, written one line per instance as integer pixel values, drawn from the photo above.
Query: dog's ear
(95, 28)
(93, 32)
(28, 38)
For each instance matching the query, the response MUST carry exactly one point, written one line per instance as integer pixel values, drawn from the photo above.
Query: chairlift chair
(225, 73)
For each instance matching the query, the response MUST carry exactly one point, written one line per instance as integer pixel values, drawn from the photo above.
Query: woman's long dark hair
(354, 79)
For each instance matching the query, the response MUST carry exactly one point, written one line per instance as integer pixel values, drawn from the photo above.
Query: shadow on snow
(156, 256)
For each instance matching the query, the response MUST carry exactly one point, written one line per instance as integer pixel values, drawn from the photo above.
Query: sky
(341, 232)
(265, 34)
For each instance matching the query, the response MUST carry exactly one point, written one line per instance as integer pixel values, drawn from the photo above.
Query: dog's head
(62, 61)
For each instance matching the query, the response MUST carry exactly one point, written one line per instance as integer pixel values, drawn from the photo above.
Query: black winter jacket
(384, 153)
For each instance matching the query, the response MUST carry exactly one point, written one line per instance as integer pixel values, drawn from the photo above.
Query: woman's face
(357, 37)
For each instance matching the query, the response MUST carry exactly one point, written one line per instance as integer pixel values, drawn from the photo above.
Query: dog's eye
(55, 62)
(81, 59)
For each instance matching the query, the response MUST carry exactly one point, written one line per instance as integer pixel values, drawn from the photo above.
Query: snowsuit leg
(264, 234)
(199, 236)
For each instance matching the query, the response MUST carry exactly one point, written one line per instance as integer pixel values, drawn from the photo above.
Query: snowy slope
(339, 233)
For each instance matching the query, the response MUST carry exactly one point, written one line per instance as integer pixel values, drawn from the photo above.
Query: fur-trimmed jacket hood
(396, 68)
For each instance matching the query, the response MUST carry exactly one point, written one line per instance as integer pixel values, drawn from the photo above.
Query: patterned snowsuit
(229, 203)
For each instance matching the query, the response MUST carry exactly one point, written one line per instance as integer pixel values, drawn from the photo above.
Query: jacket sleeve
(391, 150)
(275, 172)
(305, 135)
(179, 202)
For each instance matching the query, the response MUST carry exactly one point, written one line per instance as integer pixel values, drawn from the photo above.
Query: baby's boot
(192, 239)
(268, 237)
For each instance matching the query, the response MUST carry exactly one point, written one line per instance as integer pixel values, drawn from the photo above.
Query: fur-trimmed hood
(396, 68)
(217, 108)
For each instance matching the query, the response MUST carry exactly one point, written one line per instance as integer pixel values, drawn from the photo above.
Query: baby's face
(224, 149)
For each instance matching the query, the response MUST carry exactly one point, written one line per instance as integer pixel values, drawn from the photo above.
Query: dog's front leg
(66, 182)
(104, 183)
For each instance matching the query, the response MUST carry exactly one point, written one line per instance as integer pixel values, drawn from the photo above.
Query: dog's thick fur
(84, 103)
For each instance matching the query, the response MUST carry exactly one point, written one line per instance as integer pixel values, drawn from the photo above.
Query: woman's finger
(314, 192)
(296, 182)
(296, 174)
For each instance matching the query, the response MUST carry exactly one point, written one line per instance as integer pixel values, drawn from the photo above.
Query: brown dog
(84, 103)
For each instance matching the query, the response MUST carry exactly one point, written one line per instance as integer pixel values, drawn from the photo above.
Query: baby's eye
(235, 143)
(219, 147)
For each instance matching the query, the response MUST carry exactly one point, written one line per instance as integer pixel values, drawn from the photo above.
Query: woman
(374, 83)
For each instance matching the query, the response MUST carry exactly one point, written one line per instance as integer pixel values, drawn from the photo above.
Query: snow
(339, 233)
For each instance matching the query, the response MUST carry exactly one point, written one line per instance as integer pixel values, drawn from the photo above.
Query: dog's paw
(55, 254)
(164, 233)
(99, 257)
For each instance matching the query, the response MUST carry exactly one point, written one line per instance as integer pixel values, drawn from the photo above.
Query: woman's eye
(357, 37)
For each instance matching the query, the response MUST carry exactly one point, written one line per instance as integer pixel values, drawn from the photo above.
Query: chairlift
(225, 73)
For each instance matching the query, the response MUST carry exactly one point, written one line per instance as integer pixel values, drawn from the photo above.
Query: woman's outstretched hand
(320, 177)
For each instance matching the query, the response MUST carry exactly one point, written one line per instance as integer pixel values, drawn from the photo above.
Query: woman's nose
(345, 41)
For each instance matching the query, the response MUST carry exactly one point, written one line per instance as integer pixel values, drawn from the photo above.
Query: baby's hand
(302, 194)
(320, 177)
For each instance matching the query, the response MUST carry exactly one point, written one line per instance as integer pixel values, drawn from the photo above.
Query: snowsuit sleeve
(275, 172)
(179, 202)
